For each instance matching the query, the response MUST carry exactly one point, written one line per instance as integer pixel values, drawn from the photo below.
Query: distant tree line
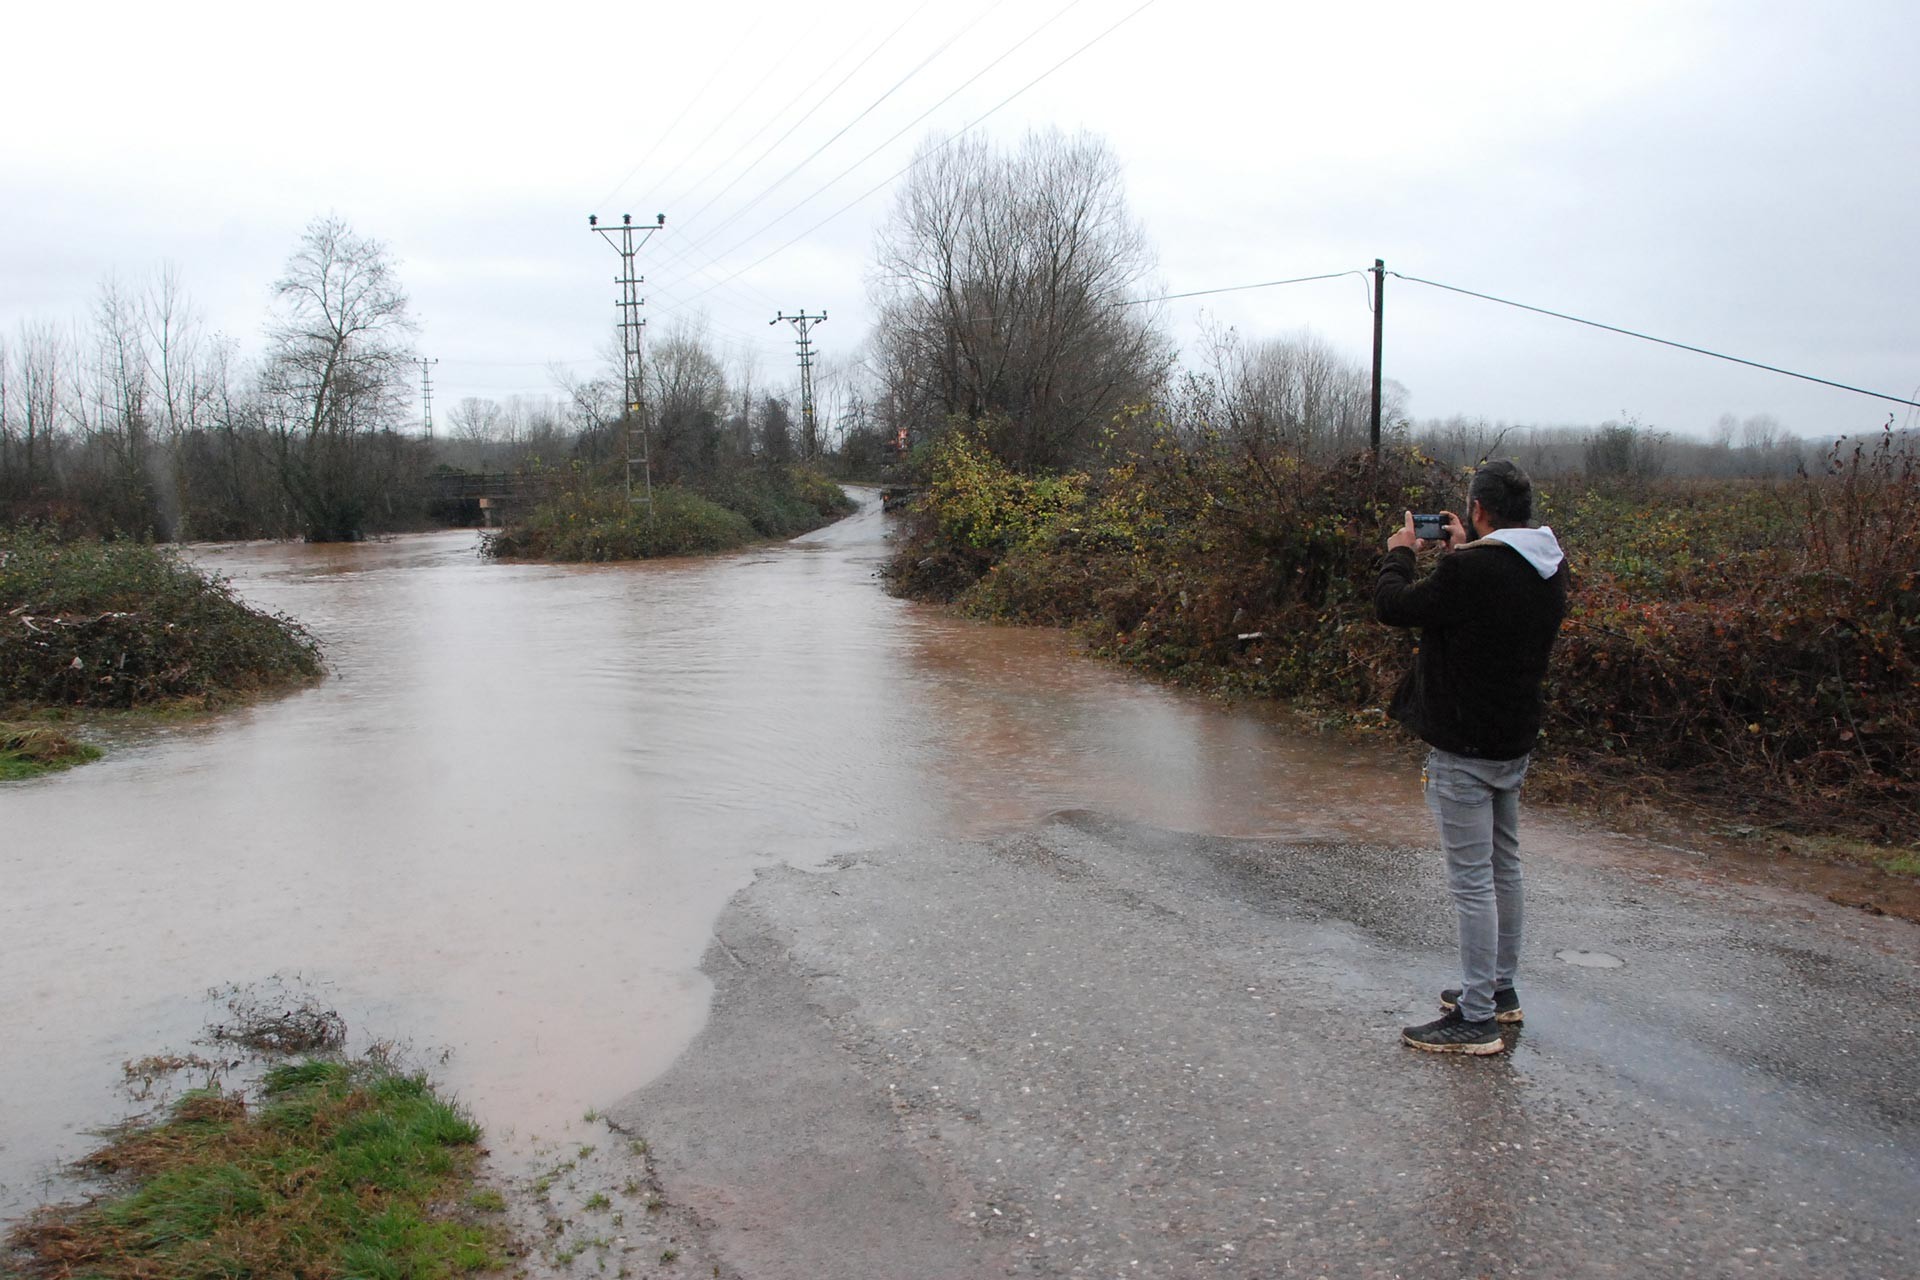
(141, 423)
(1014, 295)
(138, 422)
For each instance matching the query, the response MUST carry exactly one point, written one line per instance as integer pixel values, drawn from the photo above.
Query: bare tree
(595, 409)
(1296, 394)
(174, 348)
(124, 468)
(1761, 433)
(1004, 280)
(686, 392)
(336, 373)
(1625, 451)
(39, 363)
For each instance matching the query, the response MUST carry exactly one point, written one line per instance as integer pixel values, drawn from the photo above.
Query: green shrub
(728, 510)
(596, 525)
(1734, 639)
(123, 624)
(778, 502)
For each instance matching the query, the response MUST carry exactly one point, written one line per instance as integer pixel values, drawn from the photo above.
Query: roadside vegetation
(1751, 645)
(339, 1170)
(132, 420)
(1745, 627)
(728, 509)
(28, 750)
(91, 625)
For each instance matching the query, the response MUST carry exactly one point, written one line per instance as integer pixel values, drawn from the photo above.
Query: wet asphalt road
(1094, 1049)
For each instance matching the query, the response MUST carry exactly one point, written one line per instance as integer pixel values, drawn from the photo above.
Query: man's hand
(1457, 535)
(1404, 537)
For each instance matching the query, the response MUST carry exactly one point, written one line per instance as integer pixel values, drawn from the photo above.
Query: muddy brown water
(502, 830)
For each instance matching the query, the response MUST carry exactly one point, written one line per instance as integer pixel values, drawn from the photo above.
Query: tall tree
(686, 392)
(336, 378)
(1004, 282)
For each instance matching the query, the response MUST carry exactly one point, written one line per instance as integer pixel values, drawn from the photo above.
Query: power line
(833, 181)
(1665, 342)
(711, 265)
(516, 364)
(631, 327)
(764, 77)
(708, 268)
(947, 142)
(1236, 288)
(668, 131)
(826, 98)
(803, 344)
(426, 391)
(869, 109)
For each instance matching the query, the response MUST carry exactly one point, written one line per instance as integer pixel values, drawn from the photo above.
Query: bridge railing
(450, 486)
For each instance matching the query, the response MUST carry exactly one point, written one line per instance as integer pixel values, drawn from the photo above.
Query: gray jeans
(1477, 806)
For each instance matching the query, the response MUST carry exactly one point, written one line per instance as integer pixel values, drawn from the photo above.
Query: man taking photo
(1487, 617)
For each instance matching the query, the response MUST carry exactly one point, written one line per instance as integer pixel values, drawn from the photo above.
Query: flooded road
(503, 829)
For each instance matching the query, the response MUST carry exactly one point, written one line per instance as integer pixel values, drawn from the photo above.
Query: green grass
(487, 1200)
(29, 750)
(343, 1170)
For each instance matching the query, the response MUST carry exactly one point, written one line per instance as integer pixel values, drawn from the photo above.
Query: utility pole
(803, 325)
(1379, 316)
(426, 392)
(623, 240)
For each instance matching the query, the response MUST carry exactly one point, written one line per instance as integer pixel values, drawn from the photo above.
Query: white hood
(1539, 546)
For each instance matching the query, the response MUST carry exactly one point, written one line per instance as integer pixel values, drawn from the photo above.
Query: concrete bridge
(495, 495)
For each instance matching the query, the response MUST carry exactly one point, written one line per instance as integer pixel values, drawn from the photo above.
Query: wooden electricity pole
(1379, 315)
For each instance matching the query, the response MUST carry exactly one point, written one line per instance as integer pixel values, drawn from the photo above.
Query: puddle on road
(1590, 959)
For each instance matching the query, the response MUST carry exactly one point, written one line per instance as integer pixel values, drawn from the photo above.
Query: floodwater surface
(502, 829)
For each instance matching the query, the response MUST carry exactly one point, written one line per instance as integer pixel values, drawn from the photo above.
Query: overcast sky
(1740, 176)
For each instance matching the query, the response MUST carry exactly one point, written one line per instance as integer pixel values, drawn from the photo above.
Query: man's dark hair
(1503, 489)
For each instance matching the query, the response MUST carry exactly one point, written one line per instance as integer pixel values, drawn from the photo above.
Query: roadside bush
(724, 511)
(122, 624)
(779, 502)
(1208, 565)
(1756, 644)
(601, 524)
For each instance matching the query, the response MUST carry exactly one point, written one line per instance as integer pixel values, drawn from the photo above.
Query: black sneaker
(1451, 1033)
(1506, 1004)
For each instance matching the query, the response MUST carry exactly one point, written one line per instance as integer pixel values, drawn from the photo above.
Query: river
(501, 831)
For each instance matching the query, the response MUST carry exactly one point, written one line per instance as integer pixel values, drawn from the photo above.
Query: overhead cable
(835, 180)
(1236, 288)
(687, 106)
(775, 186)
(1665, 342)
(947, 142)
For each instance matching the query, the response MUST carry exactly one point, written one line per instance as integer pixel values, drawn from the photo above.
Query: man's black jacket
(1487, 622)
